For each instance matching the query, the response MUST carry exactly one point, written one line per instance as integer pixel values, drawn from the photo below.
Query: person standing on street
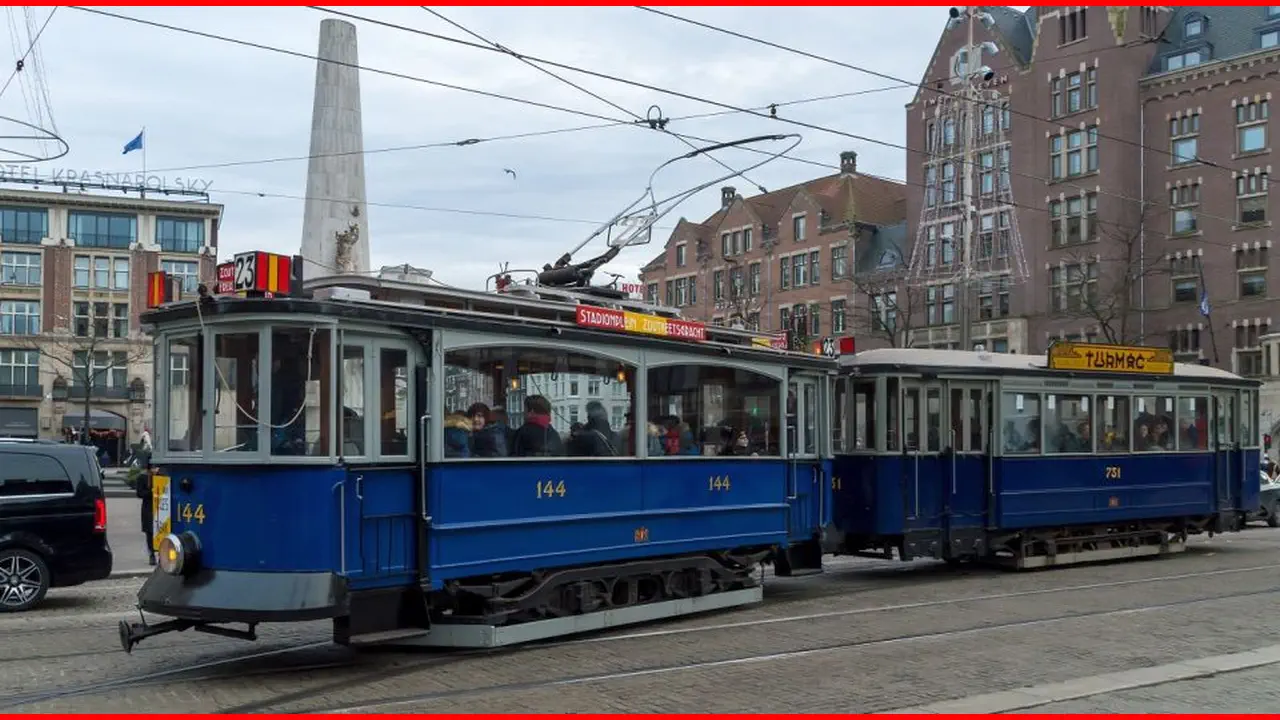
(143, 490)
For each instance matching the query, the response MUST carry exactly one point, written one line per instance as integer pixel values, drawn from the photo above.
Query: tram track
(744, 659)
(409, 663)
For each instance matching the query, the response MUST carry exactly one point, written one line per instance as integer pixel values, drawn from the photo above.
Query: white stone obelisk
(335, 224)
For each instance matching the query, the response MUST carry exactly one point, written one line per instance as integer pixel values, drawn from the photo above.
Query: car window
(23, 475)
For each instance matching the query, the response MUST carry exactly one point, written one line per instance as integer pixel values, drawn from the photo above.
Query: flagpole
(144, 160)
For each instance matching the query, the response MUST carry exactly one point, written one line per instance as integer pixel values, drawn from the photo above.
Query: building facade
(1138, 143)
(785, 260)
(74, 283)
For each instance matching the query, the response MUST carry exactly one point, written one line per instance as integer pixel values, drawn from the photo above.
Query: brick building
(74, 282)
(783, 259)
(1139, 145)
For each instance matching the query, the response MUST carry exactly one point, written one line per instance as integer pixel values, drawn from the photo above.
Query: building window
(735, 283)
(815, 274)
(949, 131)
(717, 285)
(987, 173)
(1191, 58)
(1185, 342)
(799, 322)
(1193, 27)
(988, 119)
(1251, 265)
(1247, 349)
(948, 183)
(1072, 26)
(940, 304)
(189, 274)
(680, 256)
(23, 226)
(1074, 153)
(19, 369)
(1251, 126)
(651, 293)
(1075, 92)
(102, 230)
(839, 262)
(1073, 287)
(837, 316)
(20, 268)
(670, 293)
(19, 317)
(753, 279)
(815, 320)
(993, 298)
(1074, 220)
(1185, 203)
(100, 320)
(784, 319)
(799, 271)
(725, 249)
(884, 312)
(797, 227)
(930, 185)
(179, 235)
(1269, 39)
(784, 272)
(1253, 284)
(753, 320)
(746, 240)
(1184, 133)
(948, 245)
(1184, 289)
(1251, 198)
(99, 272)
(109, 369)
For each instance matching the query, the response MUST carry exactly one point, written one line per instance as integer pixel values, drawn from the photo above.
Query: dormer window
(1194, 27)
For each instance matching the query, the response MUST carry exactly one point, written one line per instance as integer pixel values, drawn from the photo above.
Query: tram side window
(1112, 425)
(185, 427)
(351, 384)
(711, 410)
(911, 419)
(1193, 423)
(893, 431)
(1021, 413)
(1248, 421)
(538, 402)
(395, 401)
(840, 421)
(1225, 420)
(301, 409)
(235, 404)
(1153, 424)
(1067, 425)
(864, 416)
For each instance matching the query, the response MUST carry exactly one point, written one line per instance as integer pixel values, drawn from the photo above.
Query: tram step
(374, 638)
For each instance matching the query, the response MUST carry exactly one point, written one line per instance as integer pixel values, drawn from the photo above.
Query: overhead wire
(17, 66)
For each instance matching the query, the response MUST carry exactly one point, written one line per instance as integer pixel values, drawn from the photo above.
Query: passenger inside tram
(536, 437)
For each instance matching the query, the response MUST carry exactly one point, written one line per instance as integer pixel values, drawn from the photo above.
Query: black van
(53, 520)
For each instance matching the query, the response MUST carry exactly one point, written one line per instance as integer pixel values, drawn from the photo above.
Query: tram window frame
(1247, 418)
(254, 450)
(862, 413)
(1119, 408)
(776, 397)
(513, 397)
(1162, 403)
(1199, 412)
(1016, 402)
(163, 363)
(1055, 403)
(320, 344)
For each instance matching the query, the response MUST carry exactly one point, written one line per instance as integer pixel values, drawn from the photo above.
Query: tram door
(1228, 465)
(927, 470)
(967, 450)
(806, 408)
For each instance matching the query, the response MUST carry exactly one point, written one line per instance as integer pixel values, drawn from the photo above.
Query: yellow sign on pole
(161, 499)
(1092, 357)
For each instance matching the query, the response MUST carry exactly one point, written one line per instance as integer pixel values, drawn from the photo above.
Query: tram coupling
(132, 633)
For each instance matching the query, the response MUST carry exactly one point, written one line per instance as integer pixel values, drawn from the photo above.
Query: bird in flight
(510, 172)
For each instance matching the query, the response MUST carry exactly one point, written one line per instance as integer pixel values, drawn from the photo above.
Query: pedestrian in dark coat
(143, 491)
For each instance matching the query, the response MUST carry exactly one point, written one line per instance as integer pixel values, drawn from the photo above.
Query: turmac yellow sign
(1092, 357)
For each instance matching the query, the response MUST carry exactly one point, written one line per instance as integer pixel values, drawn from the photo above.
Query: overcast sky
(205, 101)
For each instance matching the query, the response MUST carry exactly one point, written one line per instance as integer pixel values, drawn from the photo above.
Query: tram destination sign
(599, 318)
(1092, 357)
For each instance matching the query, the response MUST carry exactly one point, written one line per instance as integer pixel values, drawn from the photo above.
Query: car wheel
(24, 580)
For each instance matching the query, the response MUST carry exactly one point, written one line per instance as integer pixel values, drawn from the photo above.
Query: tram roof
(413, 305)
(972, 362)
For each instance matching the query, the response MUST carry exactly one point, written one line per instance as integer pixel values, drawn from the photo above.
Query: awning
(98, 420)
(19, 422)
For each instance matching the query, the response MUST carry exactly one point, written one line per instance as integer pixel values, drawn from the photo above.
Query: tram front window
(299, 383)
(235, 420)
(185, 429)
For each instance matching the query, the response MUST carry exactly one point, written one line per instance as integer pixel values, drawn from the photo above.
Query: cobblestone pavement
(867, 636)
(1247, 691)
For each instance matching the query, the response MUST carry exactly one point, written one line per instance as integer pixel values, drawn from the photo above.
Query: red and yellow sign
(257, 272)
(599, 318)
(161, 289)
(774, 342)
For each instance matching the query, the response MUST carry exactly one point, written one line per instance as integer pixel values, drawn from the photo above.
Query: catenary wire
(17, 67)
(886, 76)
(595, 95)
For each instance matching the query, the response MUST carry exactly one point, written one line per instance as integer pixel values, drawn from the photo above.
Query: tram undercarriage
(1042, 547)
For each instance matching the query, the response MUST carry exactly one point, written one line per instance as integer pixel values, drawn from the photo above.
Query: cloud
(204, 101)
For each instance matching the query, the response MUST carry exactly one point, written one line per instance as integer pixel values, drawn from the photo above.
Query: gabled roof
(1228, 32)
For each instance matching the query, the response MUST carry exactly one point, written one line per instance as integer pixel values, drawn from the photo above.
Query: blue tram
(471, 469)
(1091, 453)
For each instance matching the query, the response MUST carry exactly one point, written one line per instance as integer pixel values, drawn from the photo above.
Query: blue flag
(134, 144)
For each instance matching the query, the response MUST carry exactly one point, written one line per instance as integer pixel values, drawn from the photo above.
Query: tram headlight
(179, 554)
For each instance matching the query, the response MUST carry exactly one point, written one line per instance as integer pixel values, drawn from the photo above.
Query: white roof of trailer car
(963, 360)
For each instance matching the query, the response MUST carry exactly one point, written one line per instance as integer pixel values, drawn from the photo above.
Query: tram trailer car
(360, 485)
(1089, 453)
